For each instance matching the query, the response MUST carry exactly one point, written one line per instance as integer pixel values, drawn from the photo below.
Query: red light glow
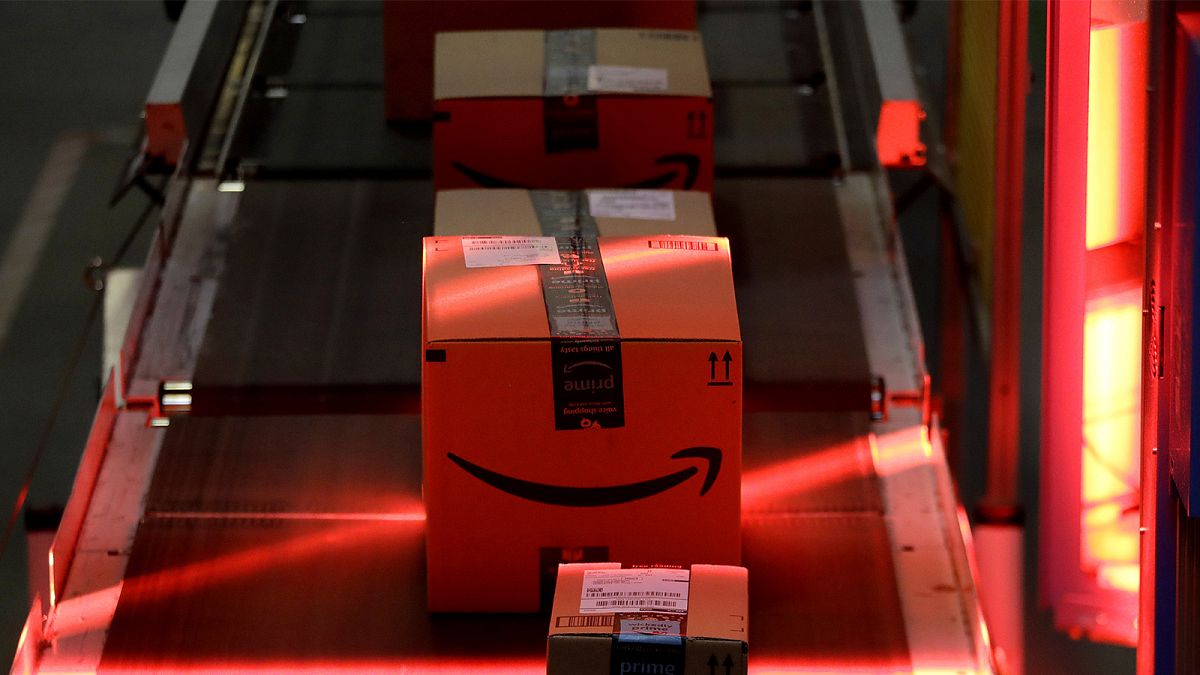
(258, 560)
(899, 451)
(762, 488)
(898, 134)
(447, 666)
(759, 667)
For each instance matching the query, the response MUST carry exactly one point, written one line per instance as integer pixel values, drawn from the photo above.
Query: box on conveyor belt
(609, 620)
(581, 401)
(409, 27)
(562, 212)
(572, 109)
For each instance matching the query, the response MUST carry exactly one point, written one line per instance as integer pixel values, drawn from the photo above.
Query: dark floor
(74, 76)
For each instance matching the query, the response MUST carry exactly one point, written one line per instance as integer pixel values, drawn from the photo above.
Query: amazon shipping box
(409, 27)
(607, 619)
(572, 109)
(581, 401)
(570, 212)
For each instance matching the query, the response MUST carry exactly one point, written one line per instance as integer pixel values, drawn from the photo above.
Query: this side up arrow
(712, 662)
(727, 359)
(712, 365)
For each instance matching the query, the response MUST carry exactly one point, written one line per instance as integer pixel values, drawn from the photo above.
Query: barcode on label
(683, 245)
(583, 621)
(640, 602)
(633, 590)
(632, 594)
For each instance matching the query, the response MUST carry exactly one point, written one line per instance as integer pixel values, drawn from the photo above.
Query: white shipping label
(638, 204)
(634, 590)
(510, 251)
(626, 79)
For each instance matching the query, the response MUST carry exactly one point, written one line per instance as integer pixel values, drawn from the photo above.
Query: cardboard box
(551, 212)
(569, 110)
(409, 27)
(556, 430)
(670, 621)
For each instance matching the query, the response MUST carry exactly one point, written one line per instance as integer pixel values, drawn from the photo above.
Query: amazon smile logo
(566, 495)
(689, 163)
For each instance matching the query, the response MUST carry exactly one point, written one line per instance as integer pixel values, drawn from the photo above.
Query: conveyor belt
(321, 287)
(281, 532)
(244, 510)
(295, 543)
(317, 310)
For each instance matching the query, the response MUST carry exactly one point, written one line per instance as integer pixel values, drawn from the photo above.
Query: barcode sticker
(626, 79)
(638, 204)
(510, 251)
(634, 590)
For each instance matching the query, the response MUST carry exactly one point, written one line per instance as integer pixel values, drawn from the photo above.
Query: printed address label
(626, 79)
(636, 204)
(634, 590)
(510, 251)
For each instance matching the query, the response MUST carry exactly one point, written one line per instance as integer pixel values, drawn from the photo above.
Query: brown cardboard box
(550, 212)
(409, 27)
(557, 430)
(570, 110)
(672, 621)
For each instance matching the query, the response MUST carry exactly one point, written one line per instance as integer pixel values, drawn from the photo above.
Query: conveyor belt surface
(246, 513)
(295, 542)
(297, 464)
(321, 287)
(282, 527)
(795, 293)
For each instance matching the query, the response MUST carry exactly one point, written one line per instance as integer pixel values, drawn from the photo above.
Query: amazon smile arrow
(565, 495)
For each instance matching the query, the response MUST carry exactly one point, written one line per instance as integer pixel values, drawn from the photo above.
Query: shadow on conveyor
(280, 536)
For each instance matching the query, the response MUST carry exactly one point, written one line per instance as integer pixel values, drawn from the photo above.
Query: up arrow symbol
(727, 359)
(712, 365)
(712, 658)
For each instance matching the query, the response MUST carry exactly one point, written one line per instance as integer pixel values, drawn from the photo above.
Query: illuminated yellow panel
(1103, 131)
(1111, 401)
(1103, 167)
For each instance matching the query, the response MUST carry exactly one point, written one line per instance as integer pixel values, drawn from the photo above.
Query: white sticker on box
(510, 251)
(634, 590)
(650, 626)
(626, 79)
(636, 204)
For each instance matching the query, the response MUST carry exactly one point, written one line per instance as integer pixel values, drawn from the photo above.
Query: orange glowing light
(1111, 405)
(1110, 491)
(899, 451)
(1103, 128)
(1120, 576)
(1116, 132)
(898, 134)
